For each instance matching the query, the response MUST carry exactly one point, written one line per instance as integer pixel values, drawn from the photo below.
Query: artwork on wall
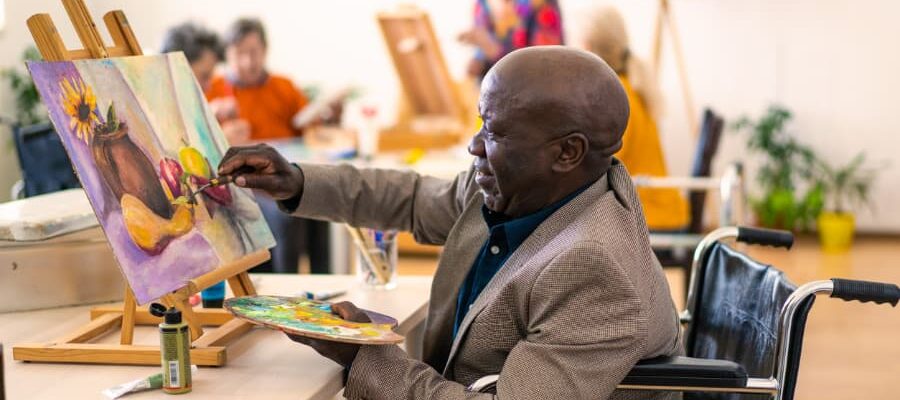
(314, 319)
(142, 140)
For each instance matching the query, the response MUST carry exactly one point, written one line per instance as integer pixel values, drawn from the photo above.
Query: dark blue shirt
(506, 234)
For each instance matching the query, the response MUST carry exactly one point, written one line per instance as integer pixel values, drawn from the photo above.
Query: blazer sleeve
(384, 199)
(585, 331)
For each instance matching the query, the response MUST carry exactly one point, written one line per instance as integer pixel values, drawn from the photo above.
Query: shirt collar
(518, 229)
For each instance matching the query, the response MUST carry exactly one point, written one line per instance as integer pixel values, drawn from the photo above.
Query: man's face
(204, 67)
(247, 59)
(513, 157)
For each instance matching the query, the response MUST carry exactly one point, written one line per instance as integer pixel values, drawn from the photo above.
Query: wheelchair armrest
(687, 372)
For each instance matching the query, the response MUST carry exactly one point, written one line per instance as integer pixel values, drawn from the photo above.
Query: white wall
(834, 63)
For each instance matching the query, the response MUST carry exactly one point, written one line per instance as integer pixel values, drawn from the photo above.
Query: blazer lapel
(526, 252)
(459, 255)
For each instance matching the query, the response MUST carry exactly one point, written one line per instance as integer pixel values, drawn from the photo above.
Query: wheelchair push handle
(864, 291)
(765, 237)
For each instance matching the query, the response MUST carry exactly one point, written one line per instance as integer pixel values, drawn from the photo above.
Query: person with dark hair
(268, 103)
(201, 47)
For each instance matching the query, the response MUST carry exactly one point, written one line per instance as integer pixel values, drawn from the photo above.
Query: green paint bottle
(174, 346)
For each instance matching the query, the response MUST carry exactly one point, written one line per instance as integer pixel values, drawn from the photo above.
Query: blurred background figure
(247, 91)
(607, 36)
(501, 26)
(201, 47)
(257, 105)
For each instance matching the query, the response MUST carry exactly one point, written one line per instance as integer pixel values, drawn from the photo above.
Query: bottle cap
(172, 315)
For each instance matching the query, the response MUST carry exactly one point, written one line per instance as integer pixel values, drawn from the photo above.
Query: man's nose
(476, 145)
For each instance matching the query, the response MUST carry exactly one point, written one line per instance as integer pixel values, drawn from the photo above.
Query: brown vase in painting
(126, 169)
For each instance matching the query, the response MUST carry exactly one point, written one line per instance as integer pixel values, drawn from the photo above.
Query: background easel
(664, 18)
(433, 112)
(208, 348)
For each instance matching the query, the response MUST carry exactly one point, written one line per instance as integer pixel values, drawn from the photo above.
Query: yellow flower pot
(836, 231)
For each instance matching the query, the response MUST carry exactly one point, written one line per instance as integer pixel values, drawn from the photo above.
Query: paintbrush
(221, 180)
(379, 267)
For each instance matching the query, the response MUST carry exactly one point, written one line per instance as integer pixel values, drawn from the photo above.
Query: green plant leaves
(788, 165)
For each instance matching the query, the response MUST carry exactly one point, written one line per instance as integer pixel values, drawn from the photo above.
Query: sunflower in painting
(80, 103)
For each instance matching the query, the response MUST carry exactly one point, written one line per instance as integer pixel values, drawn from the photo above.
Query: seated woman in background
(502, 26)
(266, 104)
(664, 208)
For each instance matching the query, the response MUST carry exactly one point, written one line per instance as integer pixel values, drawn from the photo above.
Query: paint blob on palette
(310, 318)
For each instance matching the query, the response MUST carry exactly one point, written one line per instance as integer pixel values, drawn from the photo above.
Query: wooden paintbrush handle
(377, 267)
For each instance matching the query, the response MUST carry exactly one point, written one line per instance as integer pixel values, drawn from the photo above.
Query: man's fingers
(269, 183)
(349, 312)
(253, 157)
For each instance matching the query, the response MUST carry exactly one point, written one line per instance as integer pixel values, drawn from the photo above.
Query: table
(263, 364)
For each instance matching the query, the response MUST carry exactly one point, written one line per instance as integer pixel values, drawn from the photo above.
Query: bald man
(547, 277)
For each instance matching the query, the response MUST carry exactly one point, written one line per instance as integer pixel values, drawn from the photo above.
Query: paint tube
(149, 383)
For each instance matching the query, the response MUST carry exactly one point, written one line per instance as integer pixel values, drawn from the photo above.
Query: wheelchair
(743, 324)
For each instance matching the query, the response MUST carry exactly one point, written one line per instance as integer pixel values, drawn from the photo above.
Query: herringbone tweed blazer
(567, 316)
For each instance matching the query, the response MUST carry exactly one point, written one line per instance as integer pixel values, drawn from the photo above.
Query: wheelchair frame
(775, 385)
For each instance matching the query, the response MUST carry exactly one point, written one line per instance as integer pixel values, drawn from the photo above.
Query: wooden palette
(313, 319)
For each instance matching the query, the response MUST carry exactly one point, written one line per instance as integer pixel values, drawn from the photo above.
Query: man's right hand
(262, 167)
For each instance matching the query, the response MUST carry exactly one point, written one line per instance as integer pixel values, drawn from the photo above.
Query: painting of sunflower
(80, 104)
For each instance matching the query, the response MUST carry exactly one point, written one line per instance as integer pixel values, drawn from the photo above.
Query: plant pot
(126, 170)
(836, 231)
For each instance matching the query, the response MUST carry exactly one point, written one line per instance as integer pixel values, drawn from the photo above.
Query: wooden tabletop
(263, 364)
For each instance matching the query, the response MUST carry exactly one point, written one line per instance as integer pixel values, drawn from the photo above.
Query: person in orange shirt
(665, 209)
(267, 102)
(248, 95)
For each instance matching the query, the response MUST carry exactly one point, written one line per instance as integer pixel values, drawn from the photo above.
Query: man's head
(201, 47)
(246, 51)
(553, 118)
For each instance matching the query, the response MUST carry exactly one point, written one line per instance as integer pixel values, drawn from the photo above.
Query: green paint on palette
(309, 318)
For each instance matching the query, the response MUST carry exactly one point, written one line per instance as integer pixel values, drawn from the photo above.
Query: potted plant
(787, 168)
(845, 188)
(28, 102)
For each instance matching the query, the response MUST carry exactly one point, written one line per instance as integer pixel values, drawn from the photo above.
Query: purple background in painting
(150, 277)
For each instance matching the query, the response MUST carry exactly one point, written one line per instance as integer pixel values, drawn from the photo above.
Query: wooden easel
(429, 91)
(208, 348)
(665, 18)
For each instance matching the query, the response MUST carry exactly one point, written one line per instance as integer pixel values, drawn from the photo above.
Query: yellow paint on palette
(313, 319)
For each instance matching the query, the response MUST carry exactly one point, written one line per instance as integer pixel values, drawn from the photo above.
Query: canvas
(142, 139)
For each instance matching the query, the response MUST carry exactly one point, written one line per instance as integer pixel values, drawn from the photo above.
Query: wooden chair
(673, 248)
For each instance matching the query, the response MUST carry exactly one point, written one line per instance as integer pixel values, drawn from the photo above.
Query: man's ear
(573, 148)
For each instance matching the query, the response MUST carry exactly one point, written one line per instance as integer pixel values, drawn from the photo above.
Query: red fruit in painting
(219, 194)
(170, 171)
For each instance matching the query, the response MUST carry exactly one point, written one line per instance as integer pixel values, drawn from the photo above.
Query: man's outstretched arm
(375, 198)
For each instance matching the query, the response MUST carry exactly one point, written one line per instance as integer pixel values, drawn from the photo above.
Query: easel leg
(187, 313)
(241, 285)
(128, 311)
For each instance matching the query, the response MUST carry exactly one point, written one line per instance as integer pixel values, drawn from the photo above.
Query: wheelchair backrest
(737, 311)
(45, 165)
